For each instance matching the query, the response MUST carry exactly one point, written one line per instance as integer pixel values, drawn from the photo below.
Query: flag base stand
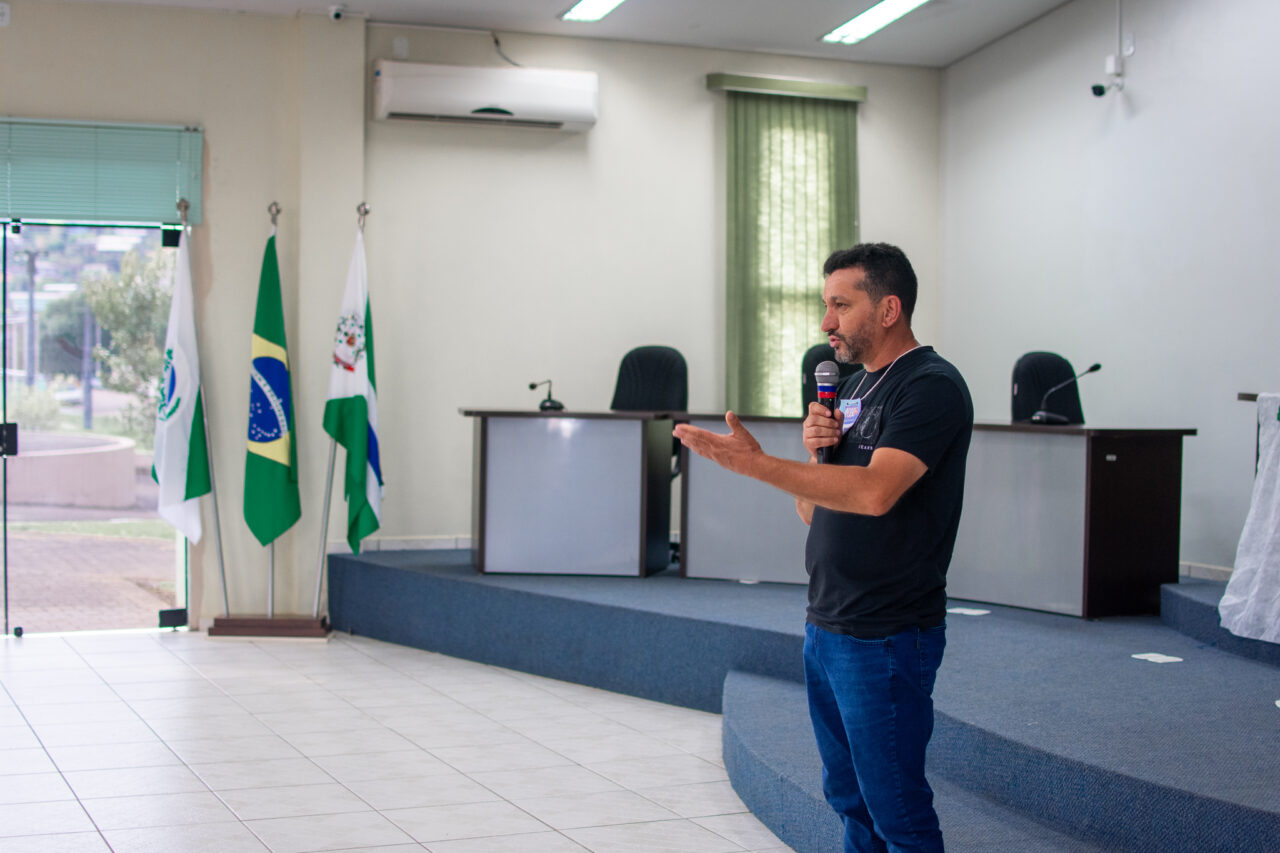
(268, 626)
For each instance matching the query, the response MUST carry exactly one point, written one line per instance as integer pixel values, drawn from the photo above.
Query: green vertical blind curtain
(793, 199)
(83, 172)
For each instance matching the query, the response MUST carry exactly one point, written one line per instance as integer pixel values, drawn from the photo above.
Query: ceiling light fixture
(872, 21)
(586, 11)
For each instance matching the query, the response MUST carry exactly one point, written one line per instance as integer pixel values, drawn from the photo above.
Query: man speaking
(882, 514)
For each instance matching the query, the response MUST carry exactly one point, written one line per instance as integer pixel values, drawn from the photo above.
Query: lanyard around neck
(882, 375)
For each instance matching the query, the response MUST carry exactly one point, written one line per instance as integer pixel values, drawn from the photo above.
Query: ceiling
(935, 35)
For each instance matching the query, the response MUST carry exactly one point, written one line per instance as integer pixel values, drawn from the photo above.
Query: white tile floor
(175, 742)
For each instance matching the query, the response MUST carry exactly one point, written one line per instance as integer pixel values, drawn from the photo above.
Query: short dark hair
(887, 272)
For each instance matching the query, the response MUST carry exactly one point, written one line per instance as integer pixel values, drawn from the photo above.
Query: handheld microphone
(547, 405)
(826, 376)
(1043, 416)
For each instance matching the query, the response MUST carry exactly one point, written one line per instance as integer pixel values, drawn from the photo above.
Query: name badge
(851, 408)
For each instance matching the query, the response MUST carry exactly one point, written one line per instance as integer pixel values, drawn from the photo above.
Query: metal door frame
(6, 226)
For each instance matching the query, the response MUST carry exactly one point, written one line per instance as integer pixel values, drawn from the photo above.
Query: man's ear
(890, 310)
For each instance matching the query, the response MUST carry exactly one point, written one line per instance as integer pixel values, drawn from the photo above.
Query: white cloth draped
(1250, 607)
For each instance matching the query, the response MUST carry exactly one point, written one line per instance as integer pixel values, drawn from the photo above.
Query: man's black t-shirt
(872, 576)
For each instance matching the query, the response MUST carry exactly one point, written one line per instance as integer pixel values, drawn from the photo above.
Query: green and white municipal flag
(271, 503)
(351, 413)
(181, 464)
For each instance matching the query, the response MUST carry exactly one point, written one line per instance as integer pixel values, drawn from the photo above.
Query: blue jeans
(871, 702)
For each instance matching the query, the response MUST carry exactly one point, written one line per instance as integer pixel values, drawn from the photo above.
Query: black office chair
(814, 356)
(652, 379)
(1033, 375)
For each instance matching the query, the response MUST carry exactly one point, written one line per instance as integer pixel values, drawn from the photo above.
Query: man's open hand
(736, 451)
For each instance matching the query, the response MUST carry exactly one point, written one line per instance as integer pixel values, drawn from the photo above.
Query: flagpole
(362, 212)
(183, 207)
(271, 581)
(271, 495)
(217, 523)
(324, 525)
(274, 210)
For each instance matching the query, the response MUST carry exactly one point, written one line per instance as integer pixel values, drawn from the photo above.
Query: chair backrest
(1033, 375)
(814, 356)
(652, 379)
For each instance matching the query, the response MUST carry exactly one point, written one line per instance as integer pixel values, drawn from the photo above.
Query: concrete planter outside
(68, 469)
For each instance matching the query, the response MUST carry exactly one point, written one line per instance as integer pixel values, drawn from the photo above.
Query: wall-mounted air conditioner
(527, 97)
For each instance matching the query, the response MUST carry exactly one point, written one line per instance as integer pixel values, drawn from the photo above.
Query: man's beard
(851, 348)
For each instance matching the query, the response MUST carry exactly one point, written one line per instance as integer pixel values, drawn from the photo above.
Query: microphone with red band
(827, 377)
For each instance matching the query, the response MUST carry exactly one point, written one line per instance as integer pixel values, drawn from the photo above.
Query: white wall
(500, 256)
(1137, 230)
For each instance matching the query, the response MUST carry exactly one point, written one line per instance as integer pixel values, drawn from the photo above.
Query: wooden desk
(1070, 519)
(571, 493)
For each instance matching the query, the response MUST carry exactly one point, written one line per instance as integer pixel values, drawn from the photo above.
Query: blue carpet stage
(1050, 735)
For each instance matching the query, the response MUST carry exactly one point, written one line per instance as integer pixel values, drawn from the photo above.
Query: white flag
(181, 459)
(351, 413)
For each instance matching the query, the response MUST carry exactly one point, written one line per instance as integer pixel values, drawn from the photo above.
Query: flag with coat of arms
(181, 461)
(271, 501)
(351, 412)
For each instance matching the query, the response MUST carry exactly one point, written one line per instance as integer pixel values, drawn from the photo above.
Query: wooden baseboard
(263, 626)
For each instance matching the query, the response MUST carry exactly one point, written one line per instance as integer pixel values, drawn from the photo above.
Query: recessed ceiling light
(590, 10)
(871, 21)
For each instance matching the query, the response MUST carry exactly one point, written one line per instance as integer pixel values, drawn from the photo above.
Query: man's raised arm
(867, 490)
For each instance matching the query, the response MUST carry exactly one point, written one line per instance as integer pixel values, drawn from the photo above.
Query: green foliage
(62, 335)
(136, 420)
(35, 409)
(133, 307)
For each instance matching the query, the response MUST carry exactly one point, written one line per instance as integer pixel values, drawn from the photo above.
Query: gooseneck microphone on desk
(826, 376)
(1043, 415)
(547, 405)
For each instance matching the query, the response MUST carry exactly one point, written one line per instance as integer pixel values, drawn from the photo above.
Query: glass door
(84, 310)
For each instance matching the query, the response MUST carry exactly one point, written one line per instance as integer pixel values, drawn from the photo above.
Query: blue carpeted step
(1056, 718)
(770, 754)
(1192, 608)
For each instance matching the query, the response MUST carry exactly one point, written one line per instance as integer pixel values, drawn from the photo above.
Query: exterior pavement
(71, 582)
(65, 582)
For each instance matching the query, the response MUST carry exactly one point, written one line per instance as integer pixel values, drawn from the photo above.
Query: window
(792, 186)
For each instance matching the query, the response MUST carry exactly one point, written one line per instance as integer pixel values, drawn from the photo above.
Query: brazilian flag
(271, 503)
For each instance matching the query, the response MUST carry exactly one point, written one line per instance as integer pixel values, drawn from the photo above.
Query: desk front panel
(564, 495)
(736, 528)
(1022, 532)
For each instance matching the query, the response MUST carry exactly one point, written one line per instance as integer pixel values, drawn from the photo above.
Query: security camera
(337, 13)
(1100, 89)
